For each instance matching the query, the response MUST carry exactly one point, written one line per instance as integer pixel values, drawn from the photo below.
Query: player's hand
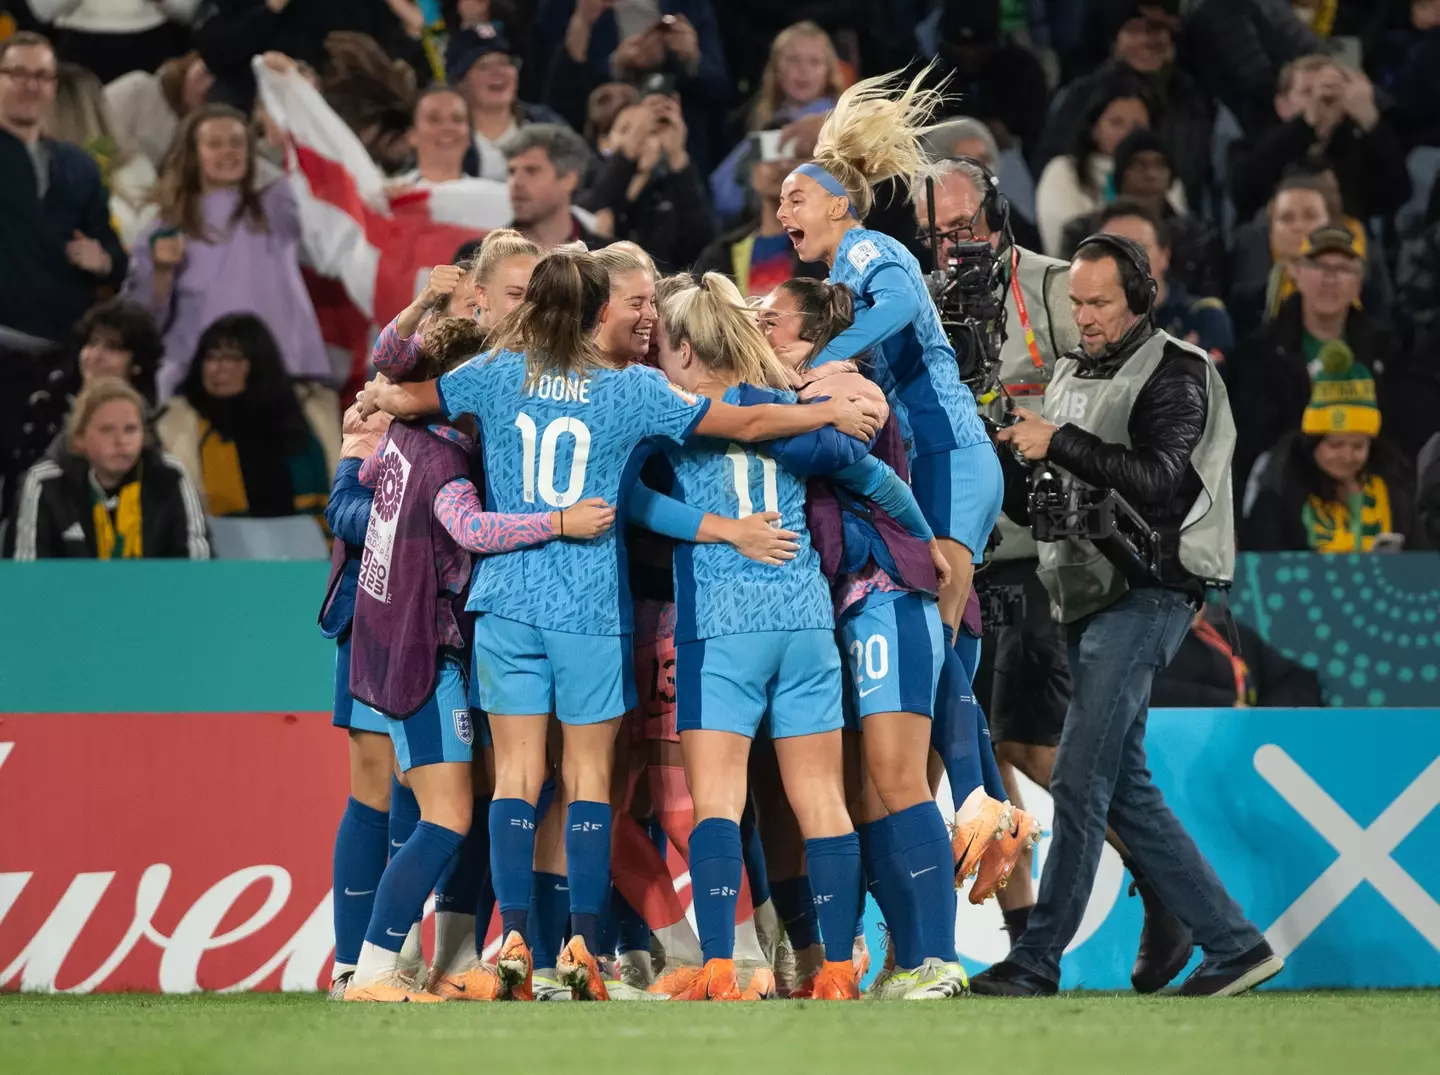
(587, 519)
(758, 537)
(943, 571)
(368, 399)
(855, 416)
(444, 279)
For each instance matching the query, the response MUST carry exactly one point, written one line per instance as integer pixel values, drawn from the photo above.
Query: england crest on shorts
(463, 728)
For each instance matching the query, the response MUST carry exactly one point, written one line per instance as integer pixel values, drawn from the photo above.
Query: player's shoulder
(651, 381)
(748, 395)
(865, 250)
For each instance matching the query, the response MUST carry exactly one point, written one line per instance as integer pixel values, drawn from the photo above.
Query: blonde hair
(617, 260)
(81, 117)
(554, 326)
(874, 134)
(771, 96)
(498, 246)
(713, 316)
(91, 398)
(1317, 61)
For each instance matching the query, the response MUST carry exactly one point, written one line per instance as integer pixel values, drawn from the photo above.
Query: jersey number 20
(740, 460)
(562, 498)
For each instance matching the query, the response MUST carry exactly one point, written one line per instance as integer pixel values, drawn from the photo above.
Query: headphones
(993, 205)
(1139, 283)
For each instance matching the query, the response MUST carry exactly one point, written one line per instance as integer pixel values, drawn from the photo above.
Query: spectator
(1333, 485)
(546, 162)
(441, 136)
(482, 65)
(114, 37)
(965, 136)
(758, 254)
(604, 106)
(147, 108)
(1224, 664)
(229, 32)
(1080, 182)
(372, 93)
(1145, 172)
(1327, 114)
(111, 498)
(1202, 320)
(1407, 68)
(57, 248)
(603, 41)
(996, 79)
(221, 246)
(1270, 374)
(801, 78)
(80, 117)
(648, 190)
(1239, 48)
(238, 428)
(1183, 114)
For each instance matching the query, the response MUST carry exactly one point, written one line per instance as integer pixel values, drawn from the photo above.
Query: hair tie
(829, 182)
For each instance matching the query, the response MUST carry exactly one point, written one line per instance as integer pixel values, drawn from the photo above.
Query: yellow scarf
(1332, 527)
(220, 471)
(120, 537)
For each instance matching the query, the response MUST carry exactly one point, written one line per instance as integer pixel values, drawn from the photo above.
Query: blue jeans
(1100, 776)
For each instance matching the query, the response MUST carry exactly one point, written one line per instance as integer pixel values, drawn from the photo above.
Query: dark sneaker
(1006, 979)
(1226, 977)
(1165, 944)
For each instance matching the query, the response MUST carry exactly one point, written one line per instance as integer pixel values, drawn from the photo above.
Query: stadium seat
(292, 537)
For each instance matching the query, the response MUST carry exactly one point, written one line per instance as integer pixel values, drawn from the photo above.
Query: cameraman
(1145, 416)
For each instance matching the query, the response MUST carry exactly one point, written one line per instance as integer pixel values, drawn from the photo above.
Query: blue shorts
(441, 730)
(959, 493)
(522, 670)
(350, 713)
(732, 682)
(478, 717)
(893, 652)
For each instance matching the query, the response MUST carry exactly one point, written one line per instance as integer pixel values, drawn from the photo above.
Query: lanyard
(1212, 638)
(1020, 308)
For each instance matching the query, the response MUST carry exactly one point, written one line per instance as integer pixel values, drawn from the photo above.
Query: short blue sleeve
(459, 390)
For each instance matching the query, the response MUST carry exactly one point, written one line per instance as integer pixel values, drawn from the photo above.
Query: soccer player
(757, 642)
(408, 642)
(554, 630)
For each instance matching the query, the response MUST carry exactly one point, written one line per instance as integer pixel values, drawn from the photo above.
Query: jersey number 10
(740, 460)
(563, 498)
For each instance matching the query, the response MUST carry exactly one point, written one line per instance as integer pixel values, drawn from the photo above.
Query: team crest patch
(463, 728)
(863, 253)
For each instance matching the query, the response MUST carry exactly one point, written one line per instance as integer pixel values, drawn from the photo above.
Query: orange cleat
(674, 981)
(761, 987)
(577, 970)
(716, 981)
(387, 991)
(970, 839)
(836, 981)
(480, 982)
(516, 968)
(1001, 855)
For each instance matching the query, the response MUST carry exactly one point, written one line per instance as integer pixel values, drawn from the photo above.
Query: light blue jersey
(914, 362)
(548, 446)
(718, 591)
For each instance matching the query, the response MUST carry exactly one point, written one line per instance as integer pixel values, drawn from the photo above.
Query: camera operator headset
(1143, 421)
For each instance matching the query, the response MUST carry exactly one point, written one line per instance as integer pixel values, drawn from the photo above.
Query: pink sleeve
(393, 356)
(367, 468)
(464, 517)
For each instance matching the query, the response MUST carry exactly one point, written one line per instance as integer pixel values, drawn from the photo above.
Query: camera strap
(1020, 307)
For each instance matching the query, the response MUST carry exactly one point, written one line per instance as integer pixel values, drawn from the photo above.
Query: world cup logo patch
(463, 728)
(389, 487)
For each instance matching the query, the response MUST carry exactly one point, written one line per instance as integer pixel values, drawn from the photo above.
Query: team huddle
(625, 564)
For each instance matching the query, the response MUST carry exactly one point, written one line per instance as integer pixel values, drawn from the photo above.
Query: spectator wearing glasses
(482, 65)
(57, 247)
(1271, 374)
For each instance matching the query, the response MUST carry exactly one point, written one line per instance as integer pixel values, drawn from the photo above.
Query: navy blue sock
(458, 889)
(587, 853)
(632, 932)
(545, 799)
(889, 885)
(834, 864)
(485, 893)
(952, 732)
(360, 856)
(716, 865)
(754, 853)
(404, 814)
(408, 879)
(795, 904)
(968, 649)
(512, 857)
(549, 912)
(922, 846)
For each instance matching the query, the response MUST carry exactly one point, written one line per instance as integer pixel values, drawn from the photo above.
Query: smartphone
(1347, 52)
(664, 85)
(1388, 543)
(771, 147)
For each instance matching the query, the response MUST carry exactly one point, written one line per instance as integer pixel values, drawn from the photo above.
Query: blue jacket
(348, 516)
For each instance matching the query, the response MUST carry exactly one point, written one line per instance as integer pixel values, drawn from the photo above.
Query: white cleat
(547, 987)
(936, 979)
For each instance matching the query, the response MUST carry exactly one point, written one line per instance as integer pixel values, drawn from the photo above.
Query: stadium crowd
(219, 215)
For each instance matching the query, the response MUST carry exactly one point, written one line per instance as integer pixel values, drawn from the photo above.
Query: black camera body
(1062, 507)
(1000, 606)
(969, 294)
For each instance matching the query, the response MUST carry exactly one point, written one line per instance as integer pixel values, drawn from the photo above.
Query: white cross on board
(1365, 854)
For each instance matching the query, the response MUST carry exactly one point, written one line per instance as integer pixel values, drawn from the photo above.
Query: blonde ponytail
(721, 328)
(873, 134)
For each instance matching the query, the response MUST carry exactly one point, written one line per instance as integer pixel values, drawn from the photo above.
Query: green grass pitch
(1273, 1033)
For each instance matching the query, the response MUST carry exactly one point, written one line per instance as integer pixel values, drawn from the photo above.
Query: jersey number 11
(740, 460)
